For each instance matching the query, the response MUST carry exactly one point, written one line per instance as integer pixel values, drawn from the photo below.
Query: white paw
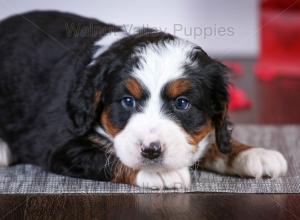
(5, 154)
(260, 162)
(177, 179)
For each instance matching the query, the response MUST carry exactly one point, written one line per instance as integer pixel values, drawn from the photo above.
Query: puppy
(138, 108)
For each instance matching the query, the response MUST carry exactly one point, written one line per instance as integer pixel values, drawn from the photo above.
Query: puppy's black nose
(152, 151)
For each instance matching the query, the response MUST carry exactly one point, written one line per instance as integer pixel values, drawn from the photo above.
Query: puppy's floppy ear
(223, 134)
(215, 77)
(83, 96)
(220, 99)
(87, 94)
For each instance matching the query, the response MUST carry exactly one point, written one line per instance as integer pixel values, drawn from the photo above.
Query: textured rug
(32, 179)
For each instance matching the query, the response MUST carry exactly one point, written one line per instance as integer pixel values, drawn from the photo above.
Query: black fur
(46, 96)
(212, 82)
(47, 89)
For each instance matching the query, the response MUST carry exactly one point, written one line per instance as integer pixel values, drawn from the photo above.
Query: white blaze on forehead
(106, 41)
(161, 64)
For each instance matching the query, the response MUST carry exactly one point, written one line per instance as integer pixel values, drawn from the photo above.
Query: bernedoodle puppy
(139, 108)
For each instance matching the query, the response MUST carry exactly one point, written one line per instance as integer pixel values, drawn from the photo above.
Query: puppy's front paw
(259, 162)
(177, 179)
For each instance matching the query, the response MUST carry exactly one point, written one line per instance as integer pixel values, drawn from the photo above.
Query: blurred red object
(234, 66)
(280, 44)
(281, 4)
(238, 99)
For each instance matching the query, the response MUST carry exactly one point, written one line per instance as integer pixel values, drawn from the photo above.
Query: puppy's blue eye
(182, 103)
(128, 102)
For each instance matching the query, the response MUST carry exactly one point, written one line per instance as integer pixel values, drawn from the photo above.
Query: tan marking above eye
(178, 87)
(134, 88)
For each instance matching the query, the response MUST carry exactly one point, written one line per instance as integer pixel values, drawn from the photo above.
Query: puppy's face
(158, 113)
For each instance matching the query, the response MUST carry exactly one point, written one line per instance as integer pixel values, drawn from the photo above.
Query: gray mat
(32, 179)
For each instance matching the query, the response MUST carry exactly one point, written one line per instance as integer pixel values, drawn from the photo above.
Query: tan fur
(124, 174)
(97, 97)
(213, 154)
(178, 87)
(134, 88)
(196, 137)
(109, 127)
(237, 148)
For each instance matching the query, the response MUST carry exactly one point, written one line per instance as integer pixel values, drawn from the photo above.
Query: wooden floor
(275, 102)
(152, 206)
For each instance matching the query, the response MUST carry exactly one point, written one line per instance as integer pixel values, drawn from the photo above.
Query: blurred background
(221, 29)
(258, 39)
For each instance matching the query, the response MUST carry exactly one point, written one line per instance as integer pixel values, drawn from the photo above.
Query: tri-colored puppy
(138, 108)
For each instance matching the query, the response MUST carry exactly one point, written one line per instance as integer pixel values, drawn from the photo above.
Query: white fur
(100, 131)
(177, 152)
(177, 179)
(219, 165)
(203, 146)
(106, 41)
(5, 154)
(259, 162)
(160, 64)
